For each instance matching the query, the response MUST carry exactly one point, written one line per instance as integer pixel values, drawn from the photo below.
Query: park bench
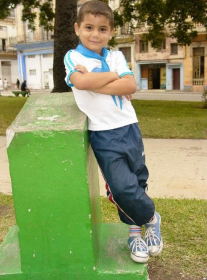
(59, 232)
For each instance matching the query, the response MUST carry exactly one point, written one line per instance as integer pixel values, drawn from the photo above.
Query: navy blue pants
(120, 155)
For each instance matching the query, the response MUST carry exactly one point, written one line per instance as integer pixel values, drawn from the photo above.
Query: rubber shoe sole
(139, 259)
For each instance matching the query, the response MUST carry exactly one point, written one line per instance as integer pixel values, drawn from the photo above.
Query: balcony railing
(200, 28)
(198, 82)
(7, 50)
(31, 38)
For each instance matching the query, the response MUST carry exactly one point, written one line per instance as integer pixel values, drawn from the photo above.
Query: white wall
(14, 72)
(42, 65)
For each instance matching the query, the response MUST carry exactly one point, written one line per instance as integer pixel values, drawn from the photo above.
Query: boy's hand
(81, 69)
(128, 97)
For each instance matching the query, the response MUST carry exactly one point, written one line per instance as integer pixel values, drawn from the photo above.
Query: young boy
(102, 84)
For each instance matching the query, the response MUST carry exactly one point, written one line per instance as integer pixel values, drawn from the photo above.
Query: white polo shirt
(104, 111)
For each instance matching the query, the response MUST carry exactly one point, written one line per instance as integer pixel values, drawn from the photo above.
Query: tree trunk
(64, 40)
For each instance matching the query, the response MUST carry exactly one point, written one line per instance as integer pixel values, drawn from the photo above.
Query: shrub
(16, 93)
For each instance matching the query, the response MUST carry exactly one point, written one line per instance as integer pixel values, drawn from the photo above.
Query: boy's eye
(103, 29)
(88, 27)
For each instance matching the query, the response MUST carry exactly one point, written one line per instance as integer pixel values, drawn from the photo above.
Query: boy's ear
(76, 27)
(112, 33)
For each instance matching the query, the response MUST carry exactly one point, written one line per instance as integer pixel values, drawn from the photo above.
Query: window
(47, 55)
(31, 56)
(3, 28)
(162, 46)
(143, 46)
(174, 48)
(198, 66)
(32, 72)
(6, 63)
(3, 45)
(127, 53)
(125, 29)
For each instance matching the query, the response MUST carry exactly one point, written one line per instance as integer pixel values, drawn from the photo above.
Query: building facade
(170, 67)
(195, 63)
(161, 68)
(8, 54)
(34, 53)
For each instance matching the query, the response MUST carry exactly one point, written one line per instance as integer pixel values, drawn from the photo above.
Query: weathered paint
(56, 195)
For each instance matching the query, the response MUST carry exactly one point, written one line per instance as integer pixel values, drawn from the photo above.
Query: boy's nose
(95, 33)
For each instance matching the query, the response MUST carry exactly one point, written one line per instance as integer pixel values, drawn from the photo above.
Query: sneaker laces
(138, 244)
(151, 238)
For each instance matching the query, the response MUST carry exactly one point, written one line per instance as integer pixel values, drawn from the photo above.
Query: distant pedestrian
(17, 83)
(5, 84)
(25, 88)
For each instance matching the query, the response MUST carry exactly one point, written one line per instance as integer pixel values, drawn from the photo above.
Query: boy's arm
(122, 86)
(92, 81)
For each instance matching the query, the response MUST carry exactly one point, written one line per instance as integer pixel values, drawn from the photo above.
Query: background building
(28, 55)
(8, 54)
(34, 52)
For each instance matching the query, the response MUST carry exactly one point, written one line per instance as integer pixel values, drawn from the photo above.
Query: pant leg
(119, 153)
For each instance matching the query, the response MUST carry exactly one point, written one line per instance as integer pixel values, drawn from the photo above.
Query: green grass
(184, 231)
(9, 108)
(7, 216)
(171, 119)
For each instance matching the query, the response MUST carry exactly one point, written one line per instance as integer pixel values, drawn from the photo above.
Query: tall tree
(64, 35)
(65, 39)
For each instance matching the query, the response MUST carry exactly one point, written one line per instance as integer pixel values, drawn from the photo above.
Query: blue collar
(104, 66)
(91, 54)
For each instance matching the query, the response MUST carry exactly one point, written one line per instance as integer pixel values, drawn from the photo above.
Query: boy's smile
(94, 32)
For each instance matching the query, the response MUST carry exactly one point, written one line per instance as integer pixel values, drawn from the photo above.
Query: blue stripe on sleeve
(70, 66)
(68, 62)
(126, 73)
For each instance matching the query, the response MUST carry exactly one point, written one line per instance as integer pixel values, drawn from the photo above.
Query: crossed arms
(105, 82)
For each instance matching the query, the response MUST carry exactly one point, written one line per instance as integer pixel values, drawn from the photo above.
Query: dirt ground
(177, 168)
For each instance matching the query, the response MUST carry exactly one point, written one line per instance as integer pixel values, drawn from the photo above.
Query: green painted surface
(56, 195)
(114, 261)
(115, 256)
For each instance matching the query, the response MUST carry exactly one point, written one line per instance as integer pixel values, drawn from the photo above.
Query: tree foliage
(46, 14)
(164, 18)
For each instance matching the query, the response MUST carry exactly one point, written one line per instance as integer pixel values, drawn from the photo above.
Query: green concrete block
(114, 261)
(56, 195)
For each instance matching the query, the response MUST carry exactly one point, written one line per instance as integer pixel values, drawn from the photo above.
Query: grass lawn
(9, 108)
(7, 216)
(171, 119)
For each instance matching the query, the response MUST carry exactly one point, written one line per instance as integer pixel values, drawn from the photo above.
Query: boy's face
(94, 32)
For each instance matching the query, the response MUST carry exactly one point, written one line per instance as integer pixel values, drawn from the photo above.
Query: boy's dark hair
(96, 8)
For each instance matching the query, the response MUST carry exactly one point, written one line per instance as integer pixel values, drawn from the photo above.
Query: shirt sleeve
(122, 67)
(70, 60)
